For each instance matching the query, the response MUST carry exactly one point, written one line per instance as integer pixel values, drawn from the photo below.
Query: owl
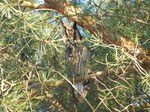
(77, 59)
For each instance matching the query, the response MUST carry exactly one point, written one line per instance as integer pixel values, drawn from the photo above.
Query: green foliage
(32, 53)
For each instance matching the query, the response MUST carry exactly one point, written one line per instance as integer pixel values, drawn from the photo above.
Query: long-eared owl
(77, 58)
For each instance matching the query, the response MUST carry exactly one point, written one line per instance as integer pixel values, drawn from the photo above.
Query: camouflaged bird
(77, 59)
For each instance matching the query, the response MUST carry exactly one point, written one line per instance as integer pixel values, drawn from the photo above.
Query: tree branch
(90, 23)
(34, 5)
(98, 74)
(128, 18)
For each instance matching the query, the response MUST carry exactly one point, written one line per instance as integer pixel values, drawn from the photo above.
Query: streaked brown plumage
(77, 58)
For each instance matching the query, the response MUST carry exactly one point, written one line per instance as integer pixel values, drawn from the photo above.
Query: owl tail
(80, 90)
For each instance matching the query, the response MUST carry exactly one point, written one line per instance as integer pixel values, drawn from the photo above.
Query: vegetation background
(32, 58)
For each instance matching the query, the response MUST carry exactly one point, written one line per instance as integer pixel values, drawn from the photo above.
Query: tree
(33, 72)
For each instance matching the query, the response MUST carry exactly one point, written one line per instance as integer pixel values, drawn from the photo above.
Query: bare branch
(34, 5)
